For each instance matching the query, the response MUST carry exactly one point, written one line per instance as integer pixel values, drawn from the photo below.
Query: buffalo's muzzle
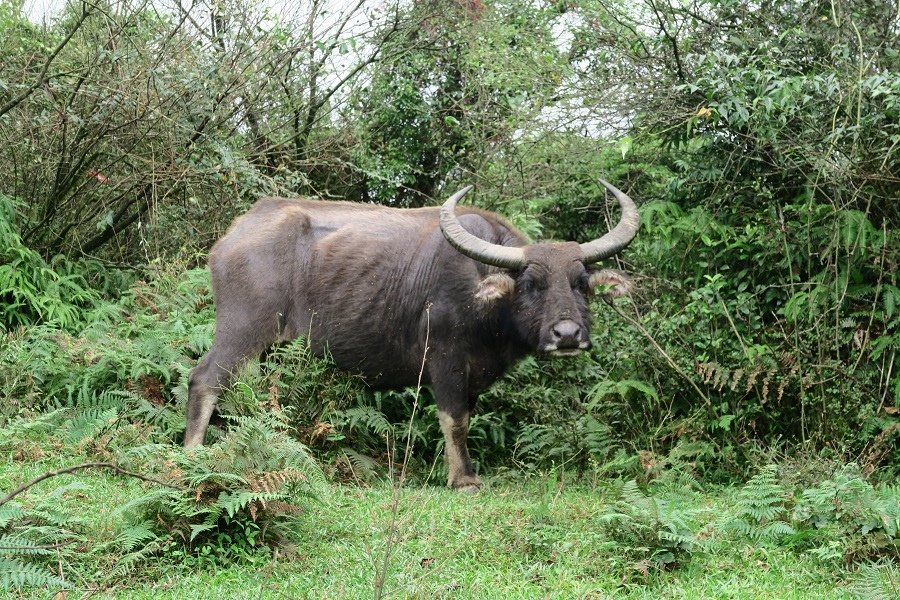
(566, 339)
(566, 335)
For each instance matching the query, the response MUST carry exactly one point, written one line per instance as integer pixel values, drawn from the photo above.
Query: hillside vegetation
(734, 432)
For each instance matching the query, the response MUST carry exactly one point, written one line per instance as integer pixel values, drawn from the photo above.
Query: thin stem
(381, 574)
(91, 465)
(665, 354)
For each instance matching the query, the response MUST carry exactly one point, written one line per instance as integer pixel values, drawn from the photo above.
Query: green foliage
(31, 540)
(650, 533)
(234, 496)
(224, 502)
(33, 291)
(761, 150)
(144, 343)
(761, 510)
(846, 517)
(838, 517)
(17, 574)
(877, 582)
(577, 442)
(455, 85)
(133, 545)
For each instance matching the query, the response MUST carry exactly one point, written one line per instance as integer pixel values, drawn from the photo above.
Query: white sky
(40, 10)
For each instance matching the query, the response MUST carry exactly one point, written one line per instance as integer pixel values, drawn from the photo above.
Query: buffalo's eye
(581, 283)
(533, 284)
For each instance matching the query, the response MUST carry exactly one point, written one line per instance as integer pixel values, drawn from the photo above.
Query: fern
(761, 509)
(19, 430)
(20, 544)
(368, 418)
(877, 582)
(92, 415)
(15, 574)
(649, 531)
(579, 442)
(848, 518)
(134, 535)
(29, 538)
(8, 513)
(253, 479)
(621, 388)
(362, 466)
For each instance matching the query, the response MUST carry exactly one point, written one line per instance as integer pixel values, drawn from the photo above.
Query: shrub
(33, 291)
(248, 487)
(846, 517)
(650, 534)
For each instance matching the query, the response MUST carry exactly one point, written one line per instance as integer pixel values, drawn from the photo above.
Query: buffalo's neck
(499, 346)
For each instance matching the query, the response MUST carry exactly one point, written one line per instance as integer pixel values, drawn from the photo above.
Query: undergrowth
(110, 385)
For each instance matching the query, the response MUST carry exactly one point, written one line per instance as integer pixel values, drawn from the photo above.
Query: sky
(39, 10)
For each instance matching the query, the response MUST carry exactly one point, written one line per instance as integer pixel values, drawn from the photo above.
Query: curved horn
(507, 257)
(620, 235)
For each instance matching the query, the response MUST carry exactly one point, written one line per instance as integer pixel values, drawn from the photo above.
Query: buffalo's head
(548, 285)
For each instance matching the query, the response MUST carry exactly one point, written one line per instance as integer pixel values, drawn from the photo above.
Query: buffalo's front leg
(450, 390)
(239, 335)
(461, 474)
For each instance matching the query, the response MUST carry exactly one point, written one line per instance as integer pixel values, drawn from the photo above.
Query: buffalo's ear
(616, 283)
(495, 287)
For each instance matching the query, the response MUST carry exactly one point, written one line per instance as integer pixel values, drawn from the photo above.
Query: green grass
(534, 537)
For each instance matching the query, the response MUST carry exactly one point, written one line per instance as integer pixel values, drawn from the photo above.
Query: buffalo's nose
(566, 334)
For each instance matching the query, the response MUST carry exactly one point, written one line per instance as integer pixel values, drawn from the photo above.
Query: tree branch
(92, 465)
(42, 76)
(672, 41)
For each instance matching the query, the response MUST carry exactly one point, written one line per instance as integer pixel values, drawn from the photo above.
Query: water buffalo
(373, 283)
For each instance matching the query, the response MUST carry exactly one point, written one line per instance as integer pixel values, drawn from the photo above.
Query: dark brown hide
(370, 283)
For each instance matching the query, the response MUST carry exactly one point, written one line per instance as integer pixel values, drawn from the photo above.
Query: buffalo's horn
(507, 257)
(620, 235)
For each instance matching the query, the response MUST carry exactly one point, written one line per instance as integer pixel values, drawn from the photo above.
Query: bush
(235, 495)
(846, 517)
(33, 291)
(650, 533)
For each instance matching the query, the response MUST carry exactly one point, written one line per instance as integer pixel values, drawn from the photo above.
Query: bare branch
(92, 465)
(42, 76)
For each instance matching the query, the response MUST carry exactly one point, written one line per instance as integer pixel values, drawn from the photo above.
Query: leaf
(105, 222)
(890, 300)
(199, 528)
(724, 422)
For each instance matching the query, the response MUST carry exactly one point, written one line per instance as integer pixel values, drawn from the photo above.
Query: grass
(522, 537)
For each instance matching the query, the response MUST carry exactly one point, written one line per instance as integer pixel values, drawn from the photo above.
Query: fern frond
(365, 467)
(130, 537)
(19, 544)
(8, 513)
(761, 507)
(17, 574)
(877, 582)
(20, 428)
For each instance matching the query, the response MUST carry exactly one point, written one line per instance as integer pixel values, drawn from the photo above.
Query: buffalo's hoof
(467, 484)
